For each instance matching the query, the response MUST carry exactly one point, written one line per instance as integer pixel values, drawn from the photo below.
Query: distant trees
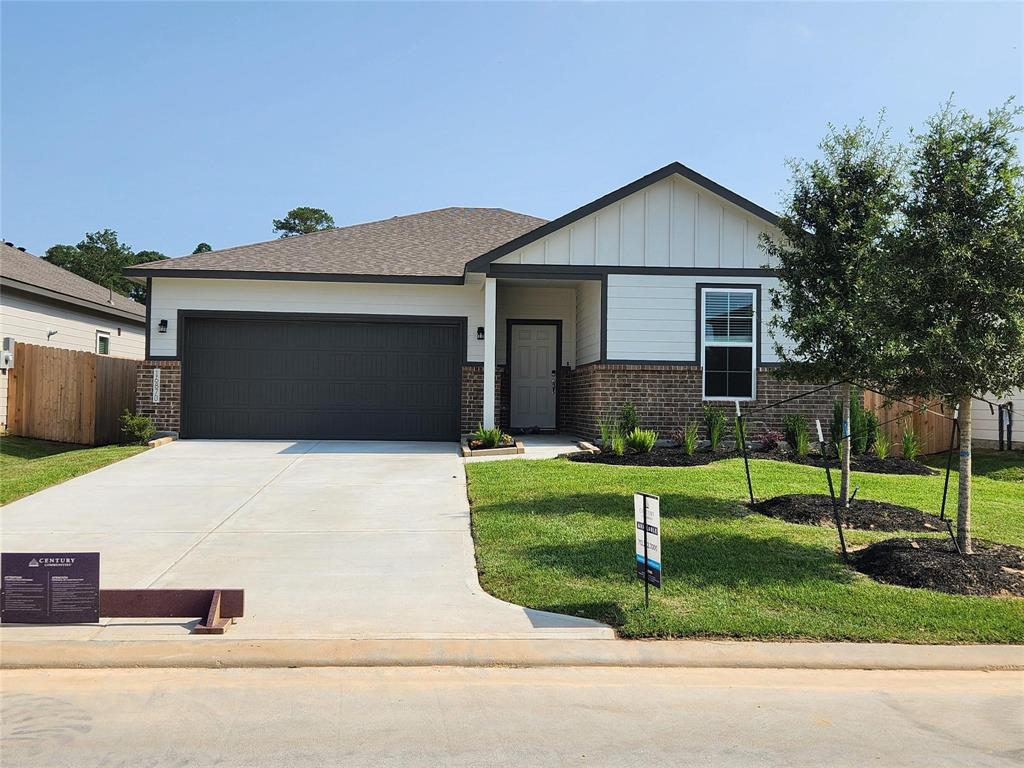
(303, 220)
(202, 248)
(102, 258)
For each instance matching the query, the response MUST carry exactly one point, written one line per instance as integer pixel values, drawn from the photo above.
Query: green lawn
(28, 465)
(558, 535)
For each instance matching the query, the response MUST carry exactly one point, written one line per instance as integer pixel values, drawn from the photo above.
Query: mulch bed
(862, 514)
(674, 457)
(933, 563)
(893, 465)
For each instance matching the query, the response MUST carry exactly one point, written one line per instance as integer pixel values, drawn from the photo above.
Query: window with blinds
(728, 344)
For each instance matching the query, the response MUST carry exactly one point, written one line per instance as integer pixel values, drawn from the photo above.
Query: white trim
(752, 344)
(102, 335)
(490, 338)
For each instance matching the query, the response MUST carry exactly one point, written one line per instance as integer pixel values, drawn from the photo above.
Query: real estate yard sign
(647, 514)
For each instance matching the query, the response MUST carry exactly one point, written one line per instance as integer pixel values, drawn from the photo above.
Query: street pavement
(150, 718)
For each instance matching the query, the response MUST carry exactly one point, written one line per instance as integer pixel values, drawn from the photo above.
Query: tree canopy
(303, 220)
(203, 248)
(102, 258)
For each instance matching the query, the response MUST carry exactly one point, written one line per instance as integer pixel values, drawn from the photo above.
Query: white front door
(534, 364)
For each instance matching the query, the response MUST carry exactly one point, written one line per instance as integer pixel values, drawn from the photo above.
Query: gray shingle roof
(30, 270)
(434, 244)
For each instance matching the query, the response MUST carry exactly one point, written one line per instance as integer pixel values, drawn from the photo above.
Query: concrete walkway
(328, 539)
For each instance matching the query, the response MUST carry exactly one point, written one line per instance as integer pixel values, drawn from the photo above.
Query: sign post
(647, 516)
(50, 588)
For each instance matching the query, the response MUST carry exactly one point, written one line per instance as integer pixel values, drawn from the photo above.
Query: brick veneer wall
(166, 415)
(472, 411)
(667, 396)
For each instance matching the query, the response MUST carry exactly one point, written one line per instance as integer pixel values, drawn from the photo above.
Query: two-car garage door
(260, 377)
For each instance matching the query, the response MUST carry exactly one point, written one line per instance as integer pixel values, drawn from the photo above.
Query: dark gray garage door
(323, 379)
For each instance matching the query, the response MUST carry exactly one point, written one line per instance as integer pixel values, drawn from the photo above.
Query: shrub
(714, 422)
(618, 443)
(609, 428)
(641, 440)
(859, 427)
(136, 428)
(628, 420)
(769, 439)
(686, 438)
(490, 438)
(911, 445)
(882, 445)
(797, 433)
(870, 429)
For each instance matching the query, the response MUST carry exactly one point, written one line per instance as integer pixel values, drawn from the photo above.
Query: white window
(102, 343)
(729, 343)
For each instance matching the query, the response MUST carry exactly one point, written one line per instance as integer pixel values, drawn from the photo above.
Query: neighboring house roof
(480, 263)
(430, 247)
(20, 270)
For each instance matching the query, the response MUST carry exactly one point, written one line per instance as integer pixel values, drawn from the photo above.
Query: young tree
(100, 257)
(836, 218)
(955, 293)
(303, 220)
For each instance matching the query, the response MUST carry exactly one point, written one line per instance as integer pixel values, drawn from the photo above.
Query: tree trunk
(963, 506)
(844, 482)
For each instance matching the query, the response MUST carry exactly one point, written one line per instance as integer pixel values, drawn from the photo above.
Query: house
(40, 303)
(424, 326)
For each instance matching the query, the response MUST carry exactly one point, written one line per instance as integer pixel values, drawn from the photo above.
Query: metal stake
(949, 462)
(647, 586)
(742, 437)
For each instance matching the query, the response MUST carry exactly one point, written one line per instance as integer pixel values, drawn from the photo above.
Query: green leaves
(303, 220)
(101, 258)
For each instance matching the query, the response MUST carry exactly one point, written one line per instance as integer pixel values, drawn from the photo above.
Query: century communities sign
(647, 514)
(49, 587)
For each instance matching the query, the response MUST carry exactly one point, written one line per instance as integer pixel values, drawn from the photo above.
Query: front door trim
(509, 324)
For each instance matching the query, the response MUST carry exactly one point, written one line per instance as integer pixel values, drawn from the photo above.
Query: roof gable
(740, 221)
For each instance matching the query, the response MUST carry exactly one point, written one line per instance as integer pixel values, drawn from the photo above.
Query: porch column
(490, 365)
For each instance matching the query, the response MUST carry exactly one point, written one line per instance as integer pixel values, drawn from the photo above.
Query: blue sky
(180, 122)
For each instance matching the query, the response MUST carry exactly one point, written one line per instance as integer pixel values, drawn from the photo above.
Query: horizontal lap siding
(288, 297)
(588, 322)
(537, 303)
(654, 317)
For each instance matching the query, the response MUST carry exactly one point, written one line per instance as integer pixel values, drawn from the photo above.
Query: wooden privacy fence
(931, 428)
(69, 396)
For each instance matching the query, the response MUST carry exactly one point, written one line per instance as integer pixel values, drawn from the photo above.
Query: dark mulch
(659, 457)
(674, 457)
(863, 514)
(893, 465)
(927, 563)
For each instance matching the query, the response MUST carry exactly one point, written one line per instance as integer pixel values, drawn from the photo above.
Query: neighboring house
(41, 303)
(424, 326)
(985, 420)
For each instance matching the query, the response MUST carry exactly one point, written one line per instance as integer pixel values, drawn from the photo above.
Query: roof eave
(18, 285)
(141, 273)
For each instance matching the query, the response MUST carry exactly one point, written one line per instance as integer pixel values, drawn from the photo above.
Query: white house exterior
(43, 304)
(424, 326)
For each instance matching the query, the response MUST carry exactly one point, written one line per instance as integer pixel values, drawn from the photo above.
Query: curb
(213, 653)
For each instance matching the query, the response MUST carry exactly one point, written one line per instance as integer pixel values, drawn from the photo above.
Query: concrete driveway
(328, 539)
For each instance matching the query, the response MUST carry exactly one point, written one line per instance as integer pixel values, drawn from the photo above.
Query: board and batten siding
(294, 297)
(654, 317)
(588, 322)
(672, 223)
(27, 319)
(517, 302)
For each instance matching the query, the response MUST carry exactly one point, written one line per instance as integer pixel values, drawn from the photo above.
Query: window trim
(754, 343)
(102, 335)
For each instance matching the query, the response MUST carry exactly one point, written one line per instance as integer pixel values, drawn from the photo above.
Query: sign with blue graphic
(647, 513)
